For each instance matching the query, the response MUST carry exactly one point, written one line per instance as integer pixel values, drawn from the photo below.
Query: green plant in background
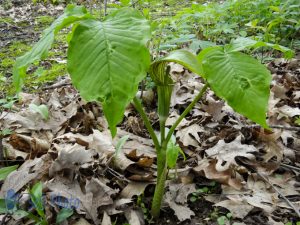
(107, 59)
(297, 121)
(272, 21)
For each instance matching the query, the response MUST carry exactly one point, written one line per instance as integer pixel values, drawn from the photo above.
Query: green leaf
(108, 59)
(240, 80)
(40, 49)
(221, 220)
(172, 154)
(242, 43)
(41, 109)
(5, 171)
(120, 144)
(36, 195)
(64, 214)
(5, 132)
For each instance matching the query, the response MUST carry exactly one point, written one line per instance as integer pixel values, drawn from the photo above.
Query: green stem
(161, 159)
(138, 106)
(185, 112)
(160, 183)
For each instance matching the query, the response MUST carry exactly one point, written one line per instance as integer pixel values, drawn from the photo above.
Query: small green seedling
(223, 219)
(107, 59)
(40, 109)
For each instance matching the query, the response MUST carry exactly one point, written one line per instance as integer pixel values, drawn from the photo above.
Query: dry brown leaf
(172, 119)
(82, 221)
(71, 157)
(102, 142)
(273, 148)
(30, 170)
(106, 219)
(134, 217)
(225, 153)
(134, 188)
(143, 146)
(118, 206)
(189, 136)
(182, 212)
(101, 195)
(96, 194)
(237, 207)
(214, 108)
(182, 94)
(288, 111)
(11, 152)
(228, 177)
(181, 191)
(28, 119)
(279, 91)
(286, 183)
(258, 194)
(121, 162)
(29, 144)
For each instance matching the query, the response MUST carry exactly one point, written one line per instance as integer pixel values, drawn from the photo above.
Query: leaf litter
(72, 152)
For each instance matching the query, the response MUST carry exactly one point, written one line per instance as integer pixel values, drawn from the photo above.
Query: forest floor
(234, 173)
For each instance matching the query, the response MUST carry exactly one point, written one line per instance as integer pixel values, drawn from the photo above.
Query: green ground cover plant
(107, 59)
(271, 21)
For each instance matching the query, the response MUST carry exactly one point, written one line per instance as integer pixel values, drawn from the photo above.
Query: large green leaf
(108, 59)
(40, 49)
(240, 80)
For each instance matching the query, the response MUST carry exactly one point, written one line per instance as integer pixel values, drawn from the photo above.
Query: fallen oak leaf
(229, 177)
(273, 147)
(182, 212)
(71, 157)
(225, 153)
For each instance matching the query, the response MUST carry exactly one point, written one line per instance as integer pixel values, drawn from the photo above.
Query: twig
(118, 175)
(56, 86)
(290, 167)
(275, 189)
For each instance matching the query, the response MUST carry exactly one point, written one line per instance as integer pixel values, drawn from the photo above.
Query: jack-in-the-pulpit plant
(107, 59)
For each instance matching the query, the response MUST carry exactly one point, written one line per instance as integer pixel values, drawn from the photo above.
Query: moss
(44, 20)
(18, 48)
(42, 76)
(6, 20)
(7, 63)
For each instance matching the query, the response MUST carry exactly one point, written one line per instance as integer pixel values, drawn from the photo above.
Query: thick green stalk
(160, 182)
(161, 159)
(164, 93)
(138, 106)
(185, 112)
